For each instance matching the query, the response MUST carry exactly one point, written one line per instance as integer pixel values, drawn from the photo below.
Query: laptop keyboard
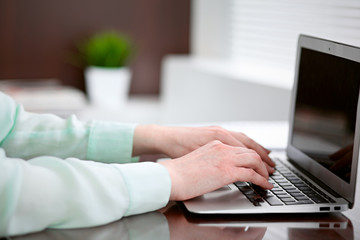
(289, 189)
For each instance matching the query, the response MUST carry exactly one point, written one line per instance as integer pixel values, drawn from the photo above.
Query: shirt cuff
(111, 142)
(8, 116)
(148, 184)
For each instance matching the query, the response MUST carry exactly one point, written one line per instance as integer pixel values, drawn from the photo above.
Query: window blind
(265, 32)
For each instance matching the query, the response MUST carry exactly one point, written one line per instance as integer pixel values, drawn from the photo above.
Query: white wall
(206, 87)
(195, 91)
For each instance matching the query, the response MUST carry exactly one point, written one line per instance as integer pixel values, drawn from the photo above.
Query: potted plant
(107, 75)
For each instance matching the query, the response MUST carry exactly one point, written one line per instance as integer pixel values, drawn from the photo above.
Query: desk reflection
(173, 224)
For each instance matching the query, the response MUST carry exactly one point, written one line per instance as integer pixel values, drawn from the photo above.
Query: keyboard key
(285, 185)
(250, 195)
(299, 183)
(307, 192)
(265, 194)
(306, 202)
(287, 199)
(291, 191)
(285, 194)
(274, 201)
(301, 198)
(258, 198)
(299, 202)
(293, 178)
(282, 180)
(245, 188)
(297, 194)
(288, 174)
(240, 184)
(305, 188)
(277, 191)
(319, 200)
(248, 192)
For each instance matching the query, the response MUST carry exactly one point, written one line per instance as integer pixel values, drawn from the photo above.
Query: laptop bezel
(343, 188)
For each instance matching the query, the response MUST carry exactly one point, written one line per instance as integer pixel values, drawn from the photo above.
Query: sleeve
(27, 135)
(48, 192)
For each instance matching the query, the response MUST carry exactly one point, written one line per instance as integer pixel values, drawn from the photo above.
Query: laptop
(317, 171)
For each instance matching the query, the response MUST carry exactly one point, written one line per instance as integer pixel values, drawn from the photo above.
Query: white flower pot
(108, 87)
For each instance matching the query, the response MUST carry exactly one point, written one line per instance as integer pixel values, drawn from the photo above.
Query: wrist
(147, 139)
(168, 164)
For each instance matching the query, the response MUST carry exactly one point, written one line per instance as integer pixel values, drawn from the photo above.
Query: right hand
(212, 166)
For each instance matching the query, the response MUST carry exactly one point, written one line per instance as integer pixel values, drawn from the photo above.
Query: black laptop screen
(325, 110)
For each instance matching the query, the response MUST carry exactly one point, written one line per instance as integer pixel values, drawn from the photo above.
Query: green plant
(106, 49)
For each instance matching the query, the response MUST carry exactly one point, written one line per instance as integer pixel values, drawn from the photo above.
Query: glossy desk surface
(173, 223)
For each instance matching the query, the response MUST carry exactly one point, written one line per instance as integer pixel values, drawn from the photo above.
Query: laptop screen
(325, 110)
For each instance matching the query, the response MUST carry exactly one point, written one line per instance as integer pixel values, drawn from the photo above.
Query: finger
(250, 143)
(229, 139)
(268, 151)
(270, 170)
(263, 153)
(249, 175)
(253, 142)
(240, 139)
(252, 160)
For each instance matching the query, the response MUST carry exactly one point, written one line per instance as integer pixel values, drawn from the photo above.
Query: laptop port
(324, 225)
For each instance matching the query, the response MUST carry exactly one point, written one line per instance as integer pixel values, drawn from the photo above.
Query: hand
(178, 141)
(212, 166)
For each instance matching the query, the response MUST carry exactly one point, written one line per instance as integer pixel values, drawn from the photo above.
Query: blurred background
(195, 60)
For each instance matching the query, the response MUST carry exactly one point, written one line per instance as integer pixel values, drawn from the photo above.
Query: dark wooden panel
(37, 36)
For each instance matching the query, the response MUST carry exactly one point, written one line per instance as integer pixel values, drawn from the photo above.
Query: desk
(173, 222)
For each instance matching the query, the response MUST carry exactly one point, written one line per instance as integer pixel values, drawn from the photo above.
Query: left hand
(179, 141)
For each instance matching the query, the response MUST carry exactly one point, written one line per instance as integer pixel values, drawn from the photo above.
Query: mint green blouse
(44, 184)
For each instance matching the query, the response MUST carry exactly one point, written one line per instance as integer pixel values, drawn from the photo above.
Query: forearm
(148, 138)
(27, 135)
